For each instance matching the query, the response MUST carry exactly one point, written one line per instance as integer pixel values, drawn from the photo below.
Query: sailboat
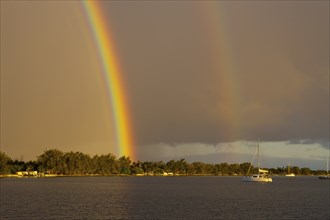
(261, 176)
(327, 176)
(289, 174)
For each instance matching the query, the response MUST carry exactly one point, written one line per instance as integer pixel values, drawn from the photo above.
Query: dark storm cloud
(280, 56)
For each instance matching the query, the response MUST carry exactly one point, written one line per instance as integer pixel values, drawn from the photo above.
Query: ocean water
(163, 198)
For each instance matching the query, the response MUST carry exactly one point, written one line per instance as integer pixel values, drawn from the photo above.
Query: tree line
(57, 162)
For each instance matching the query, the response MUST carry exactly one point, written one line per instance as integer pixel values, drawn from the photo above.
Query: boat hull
(324, 177)
(257, 179)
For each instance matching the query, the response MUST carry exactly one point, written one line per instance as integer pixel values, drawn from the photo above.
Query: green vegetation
(76, 163)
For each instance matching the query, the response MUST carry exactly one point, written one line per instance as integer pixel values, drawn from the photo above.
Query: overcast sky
(204, 80)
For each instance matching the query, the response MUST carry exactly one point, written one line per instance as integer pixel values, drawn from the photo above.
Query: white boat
(261, 176)
(289, 174)
(325, 177)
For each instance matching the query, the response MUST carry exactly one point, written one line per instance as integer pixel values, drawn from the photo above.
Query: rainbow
(112, 76)
(214, 15)
(223, 64)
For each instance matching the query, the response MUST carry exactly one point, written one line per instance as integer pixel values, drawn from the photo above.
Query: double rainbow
(112, 76)
(223, 65)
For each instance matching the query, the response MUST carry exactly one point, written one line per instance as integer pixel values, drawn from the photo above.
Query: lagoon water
(163, 198)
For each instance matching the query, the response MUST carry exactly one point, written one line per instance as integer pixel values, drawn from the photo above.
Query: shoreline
(134, 175)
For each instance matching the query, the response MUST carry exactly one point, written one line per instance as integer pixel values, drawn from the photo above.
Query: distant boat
(261, 176)
(327, 176)
(289, 174)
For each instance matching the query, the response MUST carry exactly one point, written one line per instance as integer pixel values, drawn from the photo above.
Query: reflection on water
(163, 198)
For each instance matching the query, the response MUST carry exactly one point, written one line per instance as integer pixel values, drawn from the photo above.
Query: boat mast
(328, 160)
(255, 151)
(258, 157)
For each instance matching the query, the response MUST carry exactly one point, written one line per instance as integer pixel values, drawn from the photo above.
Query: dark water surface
(163, 198)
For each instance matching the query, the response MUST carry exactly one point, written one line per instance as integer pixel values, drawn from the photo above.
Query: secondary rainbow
(214, 17)
(112, 76)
